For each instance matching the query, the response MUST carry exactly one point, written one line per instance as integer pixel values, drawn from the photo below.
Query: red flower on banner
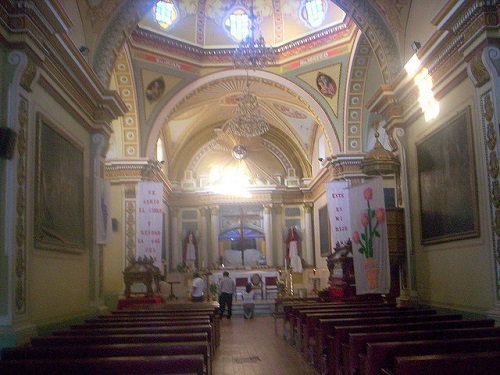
(370, 221)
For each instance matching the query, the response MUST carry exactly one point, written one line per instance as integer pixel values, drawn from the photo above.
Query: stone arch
(323, 119)
(125, 20)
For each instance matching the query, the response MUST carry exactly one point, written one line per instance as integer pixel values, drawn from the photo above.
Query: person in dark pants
(227, 287)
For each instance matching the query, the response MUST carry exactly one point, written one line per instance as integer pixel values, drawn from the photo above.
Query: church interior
(146, 140)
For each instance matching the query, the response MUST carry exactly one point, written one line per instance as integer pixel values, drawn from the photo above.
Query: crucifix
(242, 217)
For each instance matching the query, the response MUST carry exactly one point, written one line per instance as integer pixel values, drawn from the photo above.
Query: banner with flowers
(370, 246)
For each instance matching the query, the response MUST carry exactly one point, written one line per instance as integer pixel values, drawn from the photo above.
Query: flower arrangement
(280, 285)
(212, 288)
(370, 221)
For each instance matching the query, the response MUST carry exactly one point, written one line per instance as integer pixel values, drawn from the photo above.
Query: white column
(278, 229)
(99, 145)
(214, 222)
(203, 245)
(308, 240)
(268, 234)
(177, 251)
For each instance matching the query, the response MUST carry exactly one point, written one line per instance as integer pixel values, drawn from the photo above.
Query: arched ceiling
(197, 45)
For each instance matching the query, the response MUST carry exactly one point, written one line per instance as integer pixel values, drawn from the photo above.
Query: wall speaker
(7, 143)
(114, 224)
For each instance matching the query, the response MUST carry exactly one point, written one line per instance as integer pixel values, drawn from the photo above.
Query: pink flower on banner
(368, 194)
(364, 219)
(370, 219)
(355, 237)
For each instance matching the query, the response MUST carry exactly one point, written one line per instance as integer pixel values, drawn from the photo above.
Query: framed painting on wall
(59, 190)
(447, 182)
(324, 231)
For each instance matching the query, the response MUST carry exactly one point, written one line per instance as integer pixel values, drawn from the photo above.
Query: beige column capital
(267, 208)
(308, 207)
(203, 211)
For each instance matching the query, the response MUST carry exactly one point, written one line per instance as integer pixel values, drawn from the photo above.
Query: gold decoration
(28, 76)
(20, 295)
(495, 193)
(488, 108)
(491, 136)
(478, 71)
(493, 165)
(379, 161)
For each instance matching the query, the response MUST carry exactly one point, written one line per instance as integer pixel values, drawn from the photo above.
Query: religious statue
(190, 251)
(292, 250)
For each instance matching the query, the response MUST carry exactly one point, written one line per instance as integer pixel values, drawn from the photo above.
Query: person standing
(198, 288)
(227, 288)
(248, 303)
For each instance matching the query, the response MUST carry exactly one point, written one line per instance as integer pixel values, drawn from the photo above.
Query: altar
(263, 281)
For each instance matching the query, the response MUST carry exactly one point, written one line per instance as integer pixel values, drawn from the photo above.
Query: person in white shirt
(248, 304)
(227, 288)
(198, 288)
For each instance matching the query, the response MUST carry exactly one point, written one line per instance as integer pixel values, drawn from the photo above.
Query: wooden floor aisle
(249, 347)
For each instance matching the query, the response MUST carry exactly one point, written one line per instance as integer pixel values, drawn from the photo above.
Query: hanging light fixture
(248, 120)
(252, 53)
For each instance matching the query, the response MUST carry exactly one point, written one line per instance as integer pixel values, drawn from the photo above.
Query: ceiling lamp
(248, 120)
(252, 53)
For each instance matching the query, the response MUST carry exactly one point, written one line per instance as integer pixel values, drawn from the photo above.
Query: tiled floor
(249, 347)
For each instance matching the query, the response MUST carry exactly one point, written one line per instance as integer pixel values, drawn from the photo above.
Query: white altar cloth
(234, 274)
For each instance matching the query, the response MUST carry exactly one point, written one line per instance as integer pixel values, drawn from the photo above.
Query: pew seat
(140, 365)
(382, 354)
(482, 363)
(110, 350)
(357, 342)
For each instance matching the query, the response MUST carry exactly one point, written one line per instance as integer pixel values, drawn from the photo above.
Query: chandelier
(251, 53)
(248, 120)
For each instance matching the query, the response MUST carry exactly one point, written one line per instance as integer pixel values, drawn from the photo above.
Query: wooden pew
(310, 320)
(298, 317)
(150, 365)
(142, 330)
(171, 313)
(382, 354)
(111, 350)
(333, 327)
(293, 313)
(138, 323)
(358, 341)
(336, 341)
(483, 363)
(116, 339)
(321, 327)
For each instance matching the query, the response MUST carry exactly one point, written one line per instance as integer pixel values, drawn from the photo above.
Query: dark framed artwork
(324, 231)
(59, 190)
(447, 182)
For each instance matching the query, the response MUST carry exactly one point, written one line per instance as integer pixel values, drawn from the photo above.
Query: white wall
(455, 274)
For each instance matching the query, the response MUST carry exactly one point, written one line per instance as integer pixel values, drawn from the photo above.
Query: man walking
(227, 288)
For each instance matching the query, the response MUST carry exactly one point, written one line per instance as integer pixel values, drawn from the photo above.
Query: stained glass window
(312, 12)
(237, 23)
(165, 13)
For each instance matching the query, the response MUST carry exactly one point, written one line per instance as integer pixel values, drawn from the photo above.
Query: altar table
(250, 275)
